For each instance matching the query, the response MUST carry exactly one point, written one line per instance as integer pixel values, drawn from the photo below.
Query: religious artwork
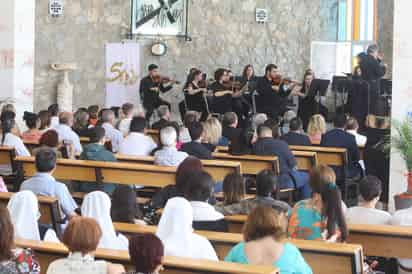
(159, 17)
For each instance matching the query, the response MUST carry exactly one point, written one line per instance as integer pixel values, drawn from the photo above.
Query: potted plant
(402, 142)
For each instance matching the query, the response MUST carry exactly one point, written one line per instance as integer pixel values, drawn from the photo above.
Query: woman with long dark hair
(322, 216)
(195, 94)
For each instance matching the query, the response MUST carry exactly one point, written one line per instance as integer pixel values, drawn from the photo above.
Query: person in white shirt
(352, 127)
(168, 155)
(8, 139)
(54, 115)
(370, 189)
(112, 134)
(176, 232)
(137, 143)
(65, 132)
(128, 111)
(97, 205)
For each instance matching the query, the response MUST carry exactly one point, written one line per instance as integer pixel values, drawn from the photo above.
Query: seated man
(164, 114)
(370, 189)
(95, 151)
(199, 190)
(128, 111)
(289, 177)
(137, 143)
(195, 147)
(352, 127)
(229, 126)
(44, 184)
(338, 137)
(266, 185)
(168, 155)
(295, 137)
(113, 135)
(65, 132)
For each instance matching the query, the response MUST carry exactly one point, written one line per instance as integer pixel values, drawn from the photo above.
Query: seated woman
(176, 232)
(24, 212)
(212, 132)
(45, 121)
(9, 138)
(234, 192)
(50, 140)
(33, 133)
(321, 217)
(97, 205)
(13, 260)
(199, 191)
(81, 237)
(316, 128)
(124, 207)
(263, 234)
(81, 123)
(146, 253)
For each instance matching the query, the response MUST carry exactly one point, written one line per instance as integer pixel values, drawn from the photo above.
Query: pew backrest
(251, 164)
(326, 155)
(306, 160)
(7, 155)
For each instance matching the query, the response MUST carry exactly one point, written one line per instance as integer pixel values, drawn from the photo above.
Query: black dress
(196, 101)
(221, 104)
(309, 107)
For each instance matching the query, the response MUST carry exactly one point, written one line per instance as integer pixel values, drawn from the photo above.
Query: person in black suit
(230, 130)
(289, 177)
(338, 137)
(195, 147)
(150, 88)
(294, 137)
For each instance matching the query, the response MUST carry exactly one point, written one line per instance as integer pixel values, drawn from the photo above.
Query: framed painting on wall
(159, 17)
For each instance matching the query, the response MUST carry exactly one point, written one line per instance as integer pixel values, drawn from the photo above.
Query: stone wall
(224, 35)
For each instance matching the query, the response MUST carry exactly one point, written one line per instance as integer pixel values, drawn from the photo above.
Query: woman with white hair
(97, 205)
(176, 232)
(168, 155)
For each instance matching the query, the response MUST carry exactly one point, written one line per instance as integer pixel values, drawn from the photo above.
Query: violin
(158, 79)
(280, 80)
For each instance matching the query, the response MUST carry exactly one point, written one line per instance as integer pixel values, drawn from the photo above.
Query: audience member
(165, 115)
(322, 216)
(264, 234)
(175, 230)
(295, 137)
(190, 117)
(195, 147)
(65, 132)
(289, 177)
(82, 237)
(287, 118)
(352, 127)
(128, 111)
(168, 155)
(316, 128)
(81, 123)
(234, 190)
(370, 189)
(50, 140)
(93, 114)
(44, 184)
(337, 137)
(266, 185)
(54, 111)
(137, 143)
(12, 259)
(230, 130)
(258, 119)
(9, 139)
(199, 191)
(32, 134)
(146, 253)
(45, 121)
(113, 135)
(124, 206)
(212, 132)
(97, 205)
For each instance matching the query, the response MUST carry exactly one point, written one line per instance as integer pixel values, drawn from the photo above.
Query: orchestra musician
(222, 96)
(150, 88)
(195, 90)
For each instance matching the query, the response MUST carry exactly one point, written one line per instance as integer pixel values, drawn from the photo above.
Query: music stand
(318, 88)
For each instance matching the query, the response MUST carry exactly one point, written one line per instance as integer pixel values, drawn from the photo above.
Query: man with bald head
(65, 132)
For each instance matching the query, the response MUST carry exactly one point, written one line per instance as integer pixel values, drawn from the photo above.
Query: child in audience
(12, 259)
(370, 189)
(45, 121)
(82, 237)
(146, 253)
(175, 230)
(54, 111)
(322, 216)
(33, 133)
(199, 191)
(97, 205)
(93, 114)
(168, 155)
(263, 234)
(316, 128)
(128, 110)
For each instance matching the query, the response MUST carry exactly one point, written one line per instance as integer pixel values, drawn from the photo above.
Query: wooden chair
(217, 169)
(49, 252)
(49, 209)
(340, 258)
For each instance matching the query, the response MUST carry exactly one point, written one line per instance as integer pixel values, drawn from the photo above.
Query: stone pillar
(402, 88)
(17, 53)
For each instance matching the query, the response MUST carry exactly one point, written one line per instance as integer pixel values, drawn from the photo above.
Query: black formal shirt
(221, 104)
(197, 149)
(372, 69)
(149, 96)
(296, 139)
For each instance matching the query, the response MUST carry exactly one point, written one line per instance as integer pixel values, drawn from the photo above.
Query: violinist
(222, 94)
(248, 78)
(150, 88)
(195, 92)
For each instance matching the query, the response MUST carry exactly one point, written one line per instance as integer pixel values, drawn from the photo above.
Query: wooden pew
(340, 258)
(306, 160)
(251, 164)
(383, 240)
(7, 155)
(48, 206)
(326, 155)
(154, 134)
(217, 169)
(48, 252)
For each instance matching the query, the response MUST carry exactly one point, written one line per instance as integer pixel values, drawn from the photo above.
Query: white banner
(122, 74)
